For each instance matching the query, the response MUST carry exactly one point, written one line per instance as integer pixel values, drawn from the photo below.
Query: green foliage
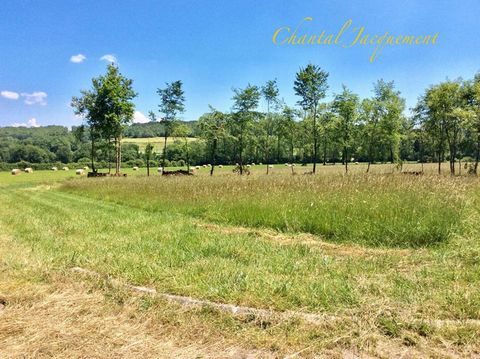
(345, 105)
(107, 108)
(172, 103)
(245, 101)
(311, 85)
(445, 126)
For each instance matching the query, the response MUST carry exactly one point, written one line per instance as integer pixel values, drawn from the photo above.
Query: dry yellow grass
(52, 314)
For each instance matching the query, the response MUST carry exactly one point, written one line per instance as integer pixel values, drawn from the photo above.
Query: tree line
(444, 126)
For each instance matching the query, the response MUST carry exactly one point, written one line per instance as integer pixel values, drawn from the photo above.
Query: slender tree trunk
(452, 161)
(118, 153)
(266, 152)
(370, 155)
(346, 160)
(291, 152)
(439, 162)
(148, 167)
(164, 157)
(117, 157)
(268, 134)
(477, 156)
(93, 151)
(214, 150)
(315, 139)
(278, 148)
(325, 148)
(109, 155)
(421, 154)
(240, 150)
(186, 150)
(453, 150)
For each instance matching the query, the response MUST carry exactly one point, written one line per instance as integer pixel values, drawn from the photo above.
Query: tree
(183, 131)
(388, 108)
(117, 106)
(326, 122)
(270, 94)
(108, 108)
(370, 119)
(382, 120)
(64, 153)
(437, 111)
(472, 100)
(245, 102)
(311, 85)
(149, 154)
(212, 127)
(172, 103)
(84, 106)
(345, 105)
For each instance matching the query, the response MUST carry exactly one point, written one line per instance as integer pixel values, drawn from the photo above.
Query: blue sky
(213, 46)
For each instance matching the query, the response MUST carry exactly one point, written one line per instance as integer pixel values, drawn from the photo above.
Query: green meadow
(157, 142)
(394, 257)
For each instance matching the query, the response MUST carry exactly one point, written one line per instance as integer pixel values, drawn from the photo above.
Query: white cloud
(33, 122)
(109, 58)
(76, 59)
(34, 98)
(30, 123)
(139, 117)
(10, 95)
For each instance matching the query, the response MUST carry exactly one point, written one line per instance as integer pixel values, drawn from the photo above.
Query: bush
(84, 161)
(132, 163)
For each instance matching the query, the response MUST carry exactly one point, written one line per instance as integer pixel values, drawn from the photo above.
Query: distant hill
(153, 129)
(136, 130)
(22, 133)
(157, 142)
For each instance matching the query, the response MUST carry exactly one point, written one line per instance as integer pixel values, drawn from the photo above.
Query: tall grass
(383, 210)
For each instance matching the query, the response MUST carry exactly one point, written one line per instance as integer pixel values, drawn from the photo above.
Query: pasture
(390, 261)
(157, 142)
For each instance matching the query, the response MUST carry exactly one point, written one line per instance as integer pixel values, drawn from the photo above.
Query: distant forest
(43, 147)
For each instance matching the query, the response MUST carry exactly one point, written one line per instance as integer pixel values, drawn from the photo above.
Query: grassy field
(157, 142)
(392, 260)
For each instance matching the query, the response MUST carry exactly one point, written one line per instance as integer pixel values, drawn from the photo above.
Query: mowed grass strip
(171, 253)
(379, 211)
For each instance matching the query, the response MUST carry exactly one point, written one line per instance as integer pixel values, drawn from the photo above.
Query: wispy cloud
(76, 59)
(33, 122)
(139, 117)
(10, 95)
(109, 58)
(30, 123)
(35, 98)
